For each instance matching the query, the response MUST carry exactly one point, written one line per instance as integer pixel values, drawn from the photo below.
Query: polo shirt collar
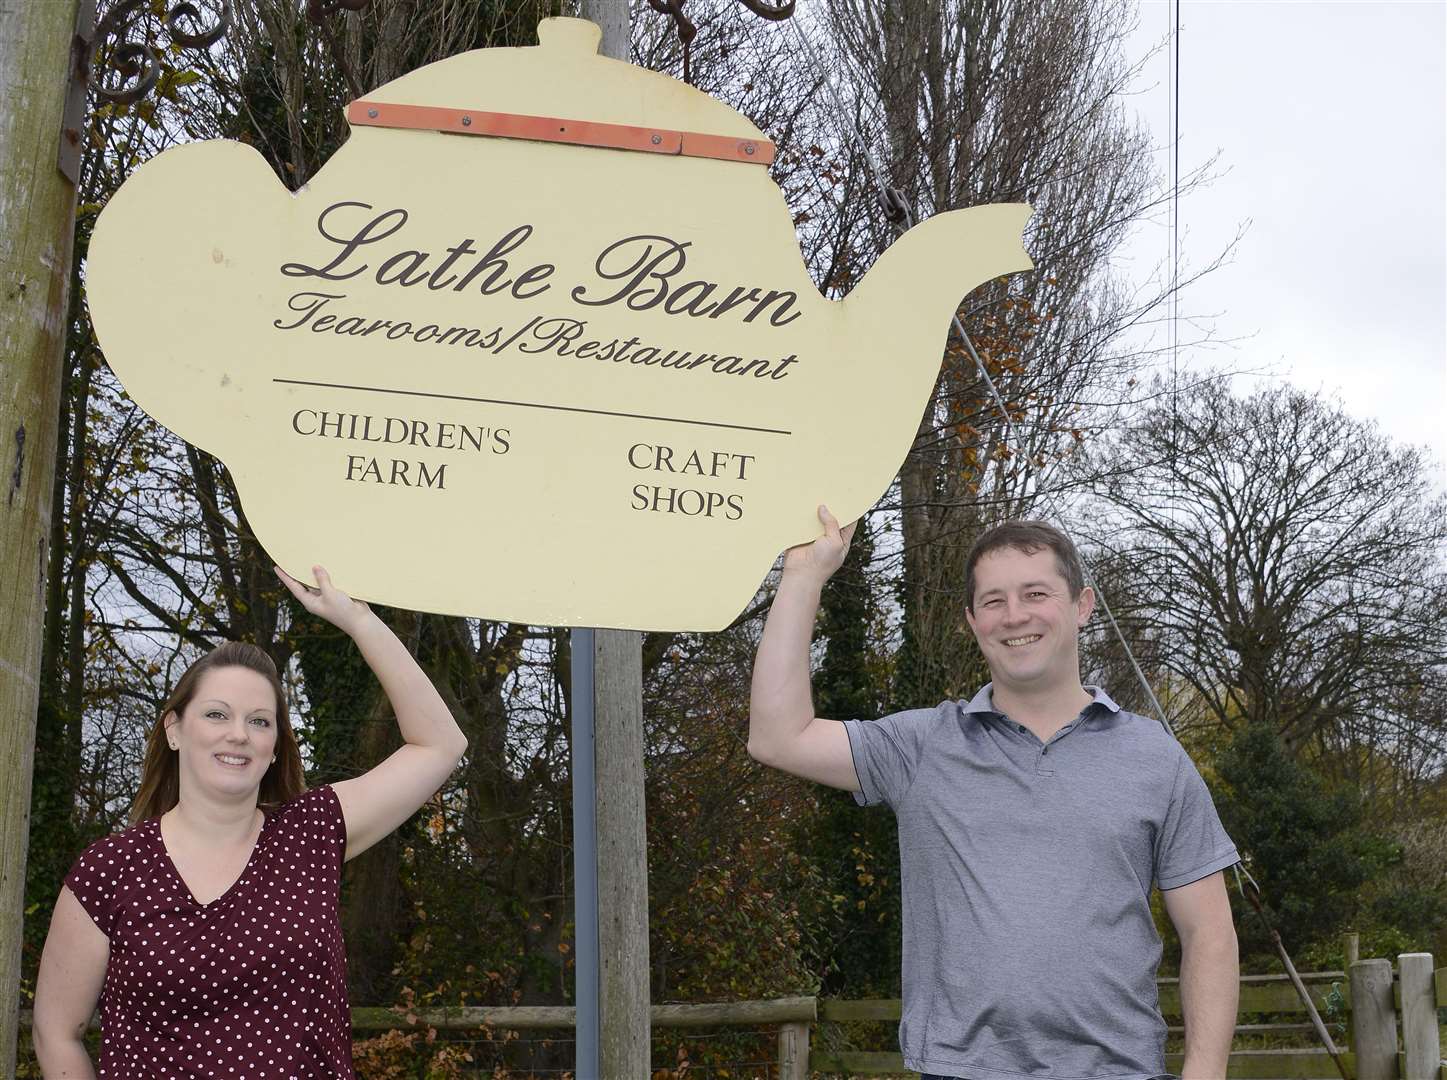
(983, 704)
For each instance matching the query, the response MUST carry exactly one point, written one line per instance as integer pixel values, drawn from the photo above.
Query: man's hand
(818, 561)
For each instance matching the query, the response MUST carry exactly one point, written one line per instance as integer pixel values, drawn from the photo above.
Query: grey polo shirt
(1026, 874)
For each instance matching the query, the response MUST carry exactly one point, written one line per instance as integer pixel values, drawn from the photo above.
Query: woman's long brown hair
(161, 772)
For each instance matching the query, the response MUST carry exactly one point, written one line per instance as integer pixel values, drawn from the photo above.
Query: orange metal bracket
(554, 129)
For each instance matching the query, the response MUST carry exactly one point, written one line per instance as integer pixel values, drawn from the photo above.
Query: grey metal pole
(585, 857)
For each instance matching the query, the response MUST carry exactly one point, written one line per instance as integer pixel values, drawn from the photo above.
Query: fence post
(794, 1051)
(1374, 1020)
(1421, 1042)
(1354, 949)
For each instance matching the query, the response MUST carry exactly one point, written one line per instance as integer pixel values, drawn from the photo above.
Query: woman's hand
(327, 601)
(825, 555)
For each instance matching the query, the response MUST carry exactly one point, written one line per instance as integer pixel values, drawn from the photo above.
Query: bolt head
(372, 113)
(467, 121)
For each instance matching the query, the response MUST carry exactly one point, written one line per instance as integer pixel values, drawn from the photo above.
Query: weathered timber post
(623, 1018)
(794, 1051)
(37, 215)
(1353, 949)
(1421, 1041)
(1374, 1020)
(623, 1023)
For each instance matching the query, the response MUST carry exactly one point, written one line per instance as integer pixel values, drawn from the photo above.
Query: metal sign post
(585, 856)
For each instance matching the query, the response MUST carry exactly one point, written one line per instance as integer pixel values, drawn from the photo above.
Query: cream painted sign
(485, 368)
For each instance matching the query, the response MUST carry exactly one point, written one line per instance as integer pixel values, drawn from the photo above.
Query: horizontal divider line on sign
(534, 405)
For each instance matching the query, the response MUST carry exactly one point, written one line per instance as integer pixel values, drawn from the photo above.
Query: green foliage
(856, 851)
(1307, 845)
(341, 693)
(1413, 914)
(56, 840)
(847, 683)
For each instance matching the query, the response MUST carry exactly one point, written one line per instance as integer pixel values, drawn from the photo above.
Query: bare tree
(1287, 560)
(994, 101)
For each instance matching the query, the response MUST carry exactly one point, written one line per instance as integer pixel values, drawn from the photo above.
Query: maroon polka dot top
(252, 986)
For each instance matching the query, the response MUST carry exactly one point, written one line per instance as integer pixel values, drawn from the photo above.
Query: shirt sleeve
(326, 825)
(1191, 843)
(95, 881)
(887, 752)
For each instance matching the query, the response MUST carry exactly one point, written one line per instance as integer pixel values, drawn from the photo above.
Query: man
(1033, 822)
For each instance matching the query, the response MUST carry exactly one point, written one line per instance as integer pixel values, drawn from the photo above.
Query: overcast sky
(1331, 121)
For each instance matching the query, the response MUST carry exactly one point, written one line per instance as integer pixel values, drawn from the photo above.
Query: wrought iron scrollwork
(137, 62)
(687, 31)
(317, 10)
(320, 12)
(772, 12)
(201, 38)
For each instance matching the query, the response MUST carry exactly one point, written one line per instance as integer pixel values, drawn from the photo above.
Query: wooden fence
(1389, 1020)
(1391, 1014)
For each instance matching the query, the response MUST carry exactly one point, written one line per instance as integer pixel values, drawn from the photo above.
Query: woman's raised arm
(378, 801)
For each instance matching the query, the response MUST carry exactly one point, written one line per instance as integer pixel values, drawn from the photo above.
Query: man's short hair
(1029, 537)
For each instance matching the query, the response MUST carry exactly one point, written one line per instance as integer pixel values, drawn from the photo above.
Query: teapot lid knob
(574, 35)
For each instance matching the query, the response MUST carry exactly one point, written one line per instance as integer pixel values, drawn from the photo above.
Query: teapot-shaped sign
(483, 367)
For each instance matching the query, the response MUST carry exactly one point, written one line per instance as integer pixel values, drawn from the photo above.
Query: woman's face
(226, 735)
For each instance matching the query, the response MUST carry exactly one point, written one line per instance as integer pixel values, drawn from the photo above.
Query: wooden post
(624, 1032)
(624, 1037)
(37, 215)
(1354, 949)
(1421, 1041)
(794, 1051)
(1374, 1020)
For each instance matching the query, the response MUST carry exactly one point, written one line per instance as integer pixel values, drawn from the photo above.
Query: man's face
(1026, 621)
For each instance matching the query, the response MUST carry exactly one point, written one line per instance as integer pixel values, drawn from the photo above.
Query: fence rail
(1394, 1024)
(787, 1010)
(1392, 1012)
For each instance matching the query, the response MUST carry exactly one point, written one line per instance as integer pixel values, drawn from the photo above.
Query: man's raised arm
(783, 730)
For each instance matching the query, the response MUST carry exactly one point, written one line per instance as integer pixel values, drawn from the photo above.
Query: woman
(208, 930)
